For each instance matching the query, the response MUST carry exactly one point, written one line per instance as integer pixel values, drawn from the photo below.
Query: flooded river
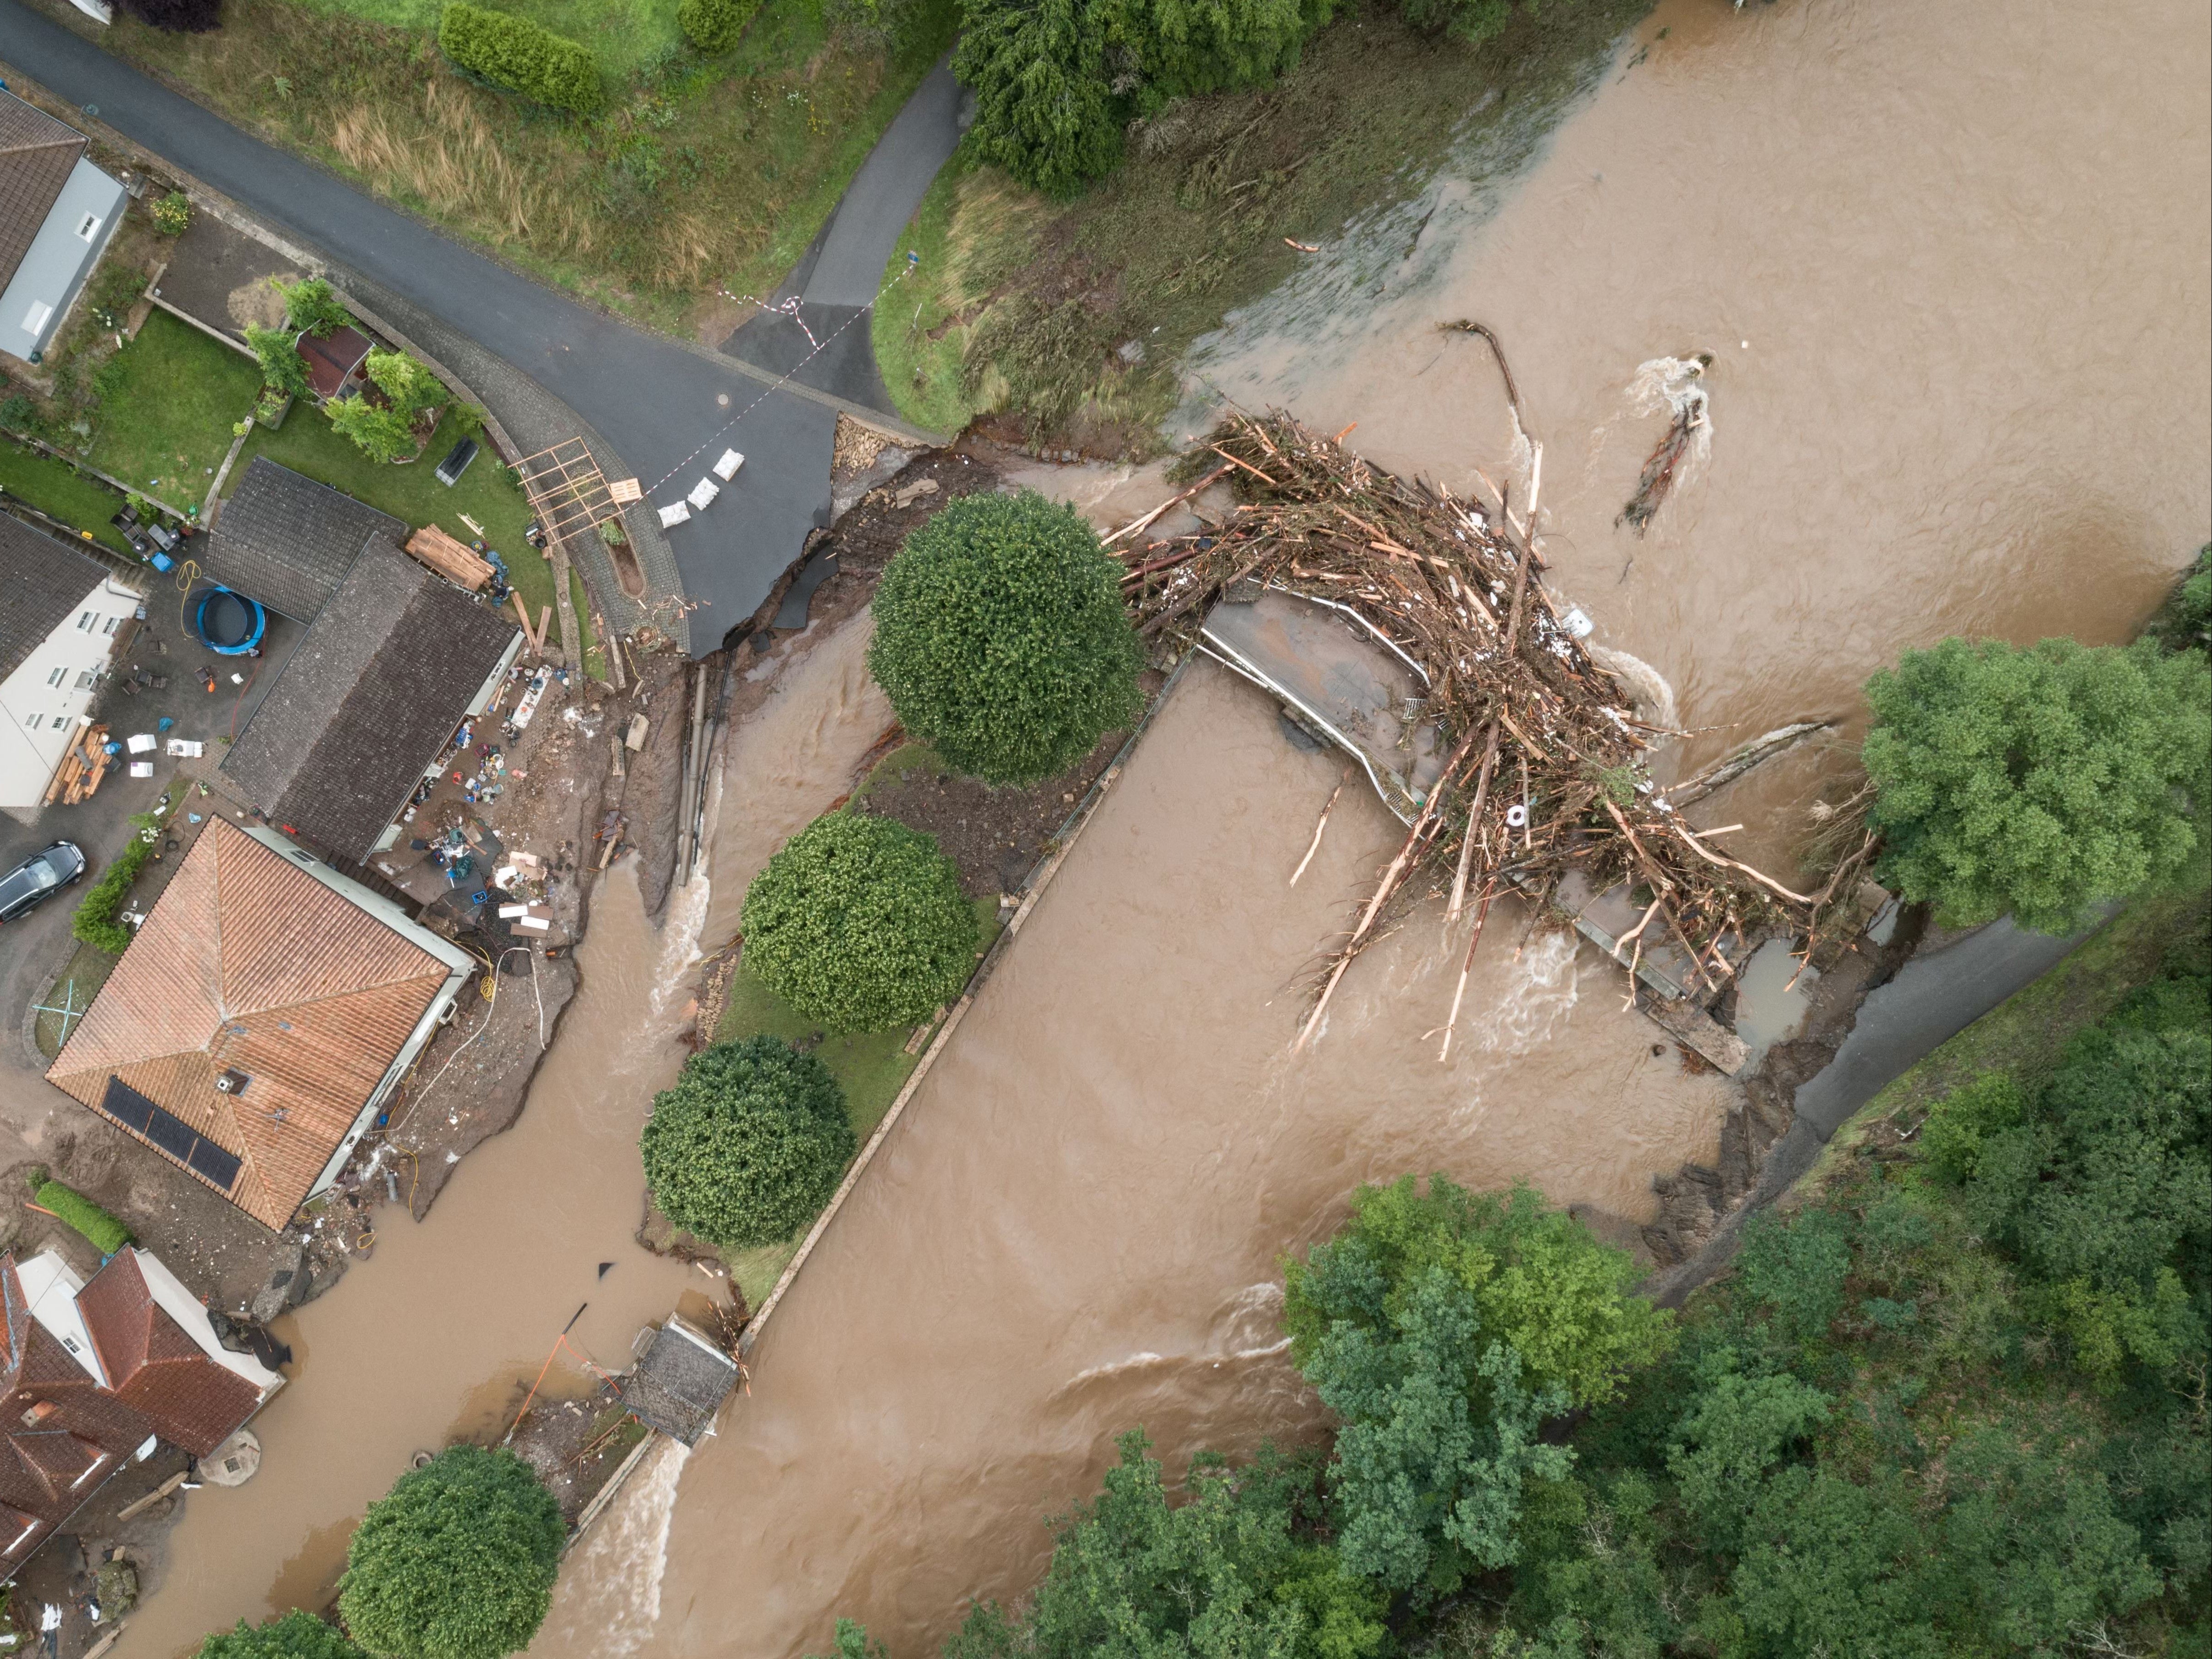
(1951, 262)
(1950, 258)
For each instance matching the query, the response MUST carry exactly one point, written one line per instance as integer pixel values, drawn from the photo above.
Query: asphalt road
(656, 402)
(1935, 996)
(841, 275)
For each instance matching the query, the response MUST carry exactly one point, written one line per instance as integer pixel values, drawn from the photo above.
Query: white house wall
(48, 696)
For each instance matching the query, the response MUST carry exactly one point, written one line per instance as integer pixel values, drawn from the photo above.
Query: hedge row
(516, 54)
(107, 1234)
(94, 921)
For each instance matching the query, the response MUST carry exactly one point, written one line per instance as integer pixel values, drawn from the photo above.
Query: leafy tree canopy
(456, 1562)
(749, 1144)
(409, 384)
(297, 1635)
(383, 434)
(2039, 781)
(1234, 1571)
(311, 304)
(860, 922)
(1001, 637)
(1443, 1328)
(282, 366)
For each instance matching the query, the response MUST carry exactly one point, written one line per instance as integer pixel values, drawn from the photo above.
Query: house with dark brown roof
(333, 361)
(96, 1375)
(288, 541)
(267, 1008)
(394, 663)
(58, 213)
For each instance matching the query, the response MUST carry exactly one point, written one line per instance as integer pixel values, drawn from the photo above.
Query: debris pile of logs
(78, 776)
(1548, 770)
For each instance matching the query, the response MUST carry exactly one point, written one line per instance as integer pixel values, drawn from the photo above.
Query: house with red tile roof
(96, 1375)
(266, 1009)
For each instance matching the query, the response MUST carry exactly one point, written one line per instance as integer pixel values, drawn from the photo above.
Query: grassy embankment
(1022, 305)
(870, 1067)
(2026, 1036)
(700, 173)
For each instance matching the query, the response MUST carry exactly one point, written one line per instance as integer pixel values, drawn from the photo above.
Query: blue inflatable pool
(229, 624)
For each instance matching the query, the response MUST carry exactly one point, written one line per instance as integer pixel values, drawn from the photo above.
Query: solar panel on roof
(172, 1137)
(126, 1105)
(211, 1162)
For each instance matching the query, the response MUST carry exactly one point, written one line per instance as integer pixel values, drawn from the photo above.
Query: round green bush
(749, 1144)
(297, 1635)
(1001, 639)
(457, 1561)
(859, 923)
(714, 26)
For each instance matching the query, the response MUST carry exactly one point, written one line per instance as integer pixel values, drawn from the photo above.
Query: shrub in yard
(282, 366)
(749, 1144)
(714, 26)
(384, 434)
(94, 921)
(517, 54)
(106, 1233)
(1001, 637)
(859, 923)
(409, 384)
(297, 1635)
(2041, 781)
(457, 1561)
(310, 305)
(172, 214)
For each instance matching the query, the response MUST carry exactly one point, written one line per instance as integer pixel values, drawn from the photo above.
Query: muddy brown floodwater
(436, 1336)
(1076, 1227)
(1954, 263)
(1951, 262)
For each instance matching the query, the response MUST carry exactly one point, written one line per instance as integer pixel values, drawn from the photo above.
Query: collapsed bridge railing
(1546, 772)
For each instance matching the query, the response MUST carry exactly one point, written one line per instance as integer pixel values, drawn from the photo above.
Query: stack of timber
(452, 560)
(1547, 774)
(78, 776)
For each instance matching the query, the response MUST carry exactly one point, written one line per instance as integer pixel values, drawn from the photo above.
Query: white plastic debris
(702, 494)
(674, 515)
(141, 743)
(1576, 624)
(142, 769)
(509, 912)
(726, 468)
(189, 748)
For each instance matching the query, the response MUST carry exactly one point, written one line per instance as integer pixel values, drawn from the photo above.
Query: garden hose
(188, 572)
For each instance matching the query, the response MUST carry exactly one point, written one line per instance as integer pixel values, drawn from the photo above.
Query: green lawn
(412, 494)
(167, 402)
(871, 1066)
(60, 491)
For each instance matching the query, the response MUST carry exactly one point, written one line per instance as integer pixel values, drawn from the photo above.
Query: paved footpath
(654, 400)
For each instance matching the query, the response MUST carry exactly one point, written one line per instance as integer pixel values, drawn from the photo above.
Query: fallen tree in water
(1546, 772)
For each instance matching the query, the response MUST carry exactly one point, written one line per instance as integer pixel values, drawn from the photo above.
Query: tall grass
(701, 174)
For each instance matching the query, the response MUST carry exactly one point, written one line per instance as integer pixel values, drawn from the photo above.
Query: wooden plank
(450, 559)
(523, 611)
(544, 616)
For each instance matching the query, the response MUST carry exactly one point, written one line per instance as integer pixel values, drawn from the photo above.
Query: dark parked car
(38, 877)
